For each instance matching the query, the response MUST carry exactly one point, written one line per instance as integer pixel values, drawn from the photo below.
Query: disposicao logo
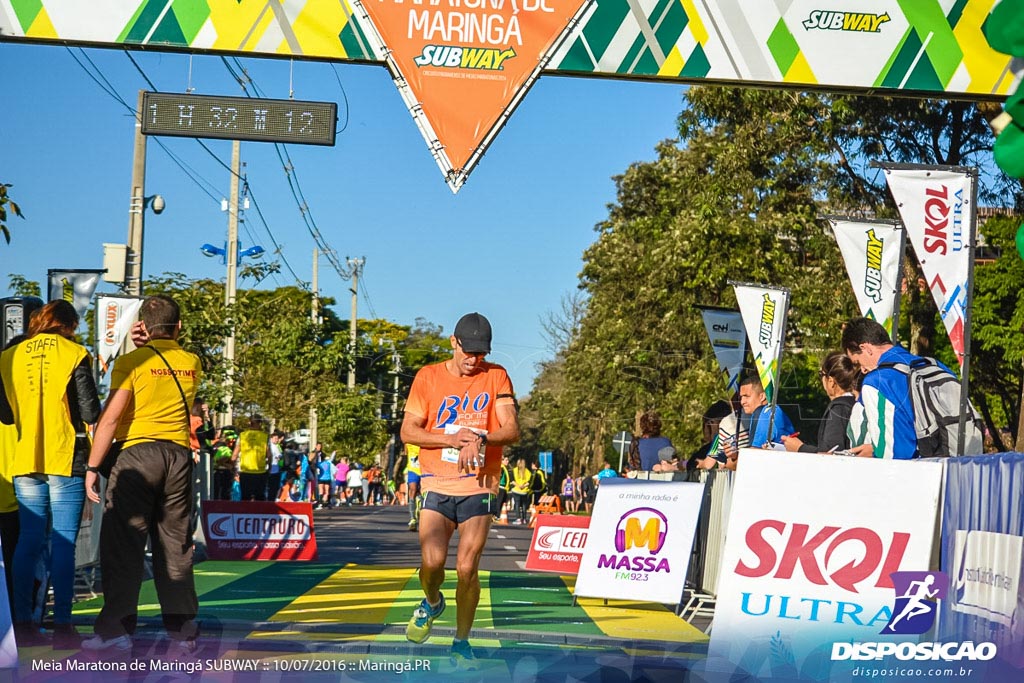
(916, 593)
(845, 21)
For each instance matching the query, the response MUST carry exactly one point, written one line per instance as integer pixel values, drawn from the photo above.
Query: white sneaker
(120, 644)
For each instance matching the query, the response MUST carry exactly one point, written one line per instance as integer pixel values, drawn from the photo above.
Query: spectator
(224, 463)
(504, 484)
(644, 454)
(252, 453)
(588, 490)
(538, 483)
(521, 493)
(668, 460)
(838, 377)
(607, 472)
(276, 465)
(341, 482)
(203, 432)
(323, 481)
(885, 393)
(732, 435)
(704, 457)
(412, 489)
(568, 493)
(47, 392)
(290, 470)
(148, 497)
(355, 482)
(754, 403)
(8, 502)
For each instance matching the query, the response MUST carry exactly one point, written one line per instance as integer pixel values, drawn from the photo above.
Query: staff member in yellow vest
(8, 507)
(49, 395)
(521, 494)
(412, 483)
(149, 491)
(252, 451)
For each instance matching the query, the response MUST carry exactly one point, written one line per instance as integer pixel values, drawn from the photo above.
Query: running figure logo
(915, 606)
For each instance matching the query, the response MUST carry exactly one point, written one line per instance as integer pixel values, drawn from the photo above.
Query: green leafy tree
(19, 285)
(7, 203)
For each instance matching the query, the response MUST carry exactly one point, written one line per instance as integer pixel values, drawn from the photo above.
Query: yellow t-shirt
(35, 376)
(252, 451)
(155, 411)
(8, 437)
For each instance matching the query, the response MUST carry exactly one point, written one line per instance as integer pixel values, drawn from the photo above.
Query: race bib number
(452, 454)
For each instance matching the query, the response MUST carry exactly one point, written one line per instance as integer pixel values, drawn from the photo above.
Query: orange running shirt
(448, 402)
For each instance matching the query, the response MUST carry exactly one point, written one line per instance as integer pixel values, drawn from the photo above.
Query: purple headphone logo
(641, 527)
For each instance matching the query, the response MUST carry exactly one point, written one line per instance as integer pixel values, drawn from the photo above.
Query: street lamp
(255, 251)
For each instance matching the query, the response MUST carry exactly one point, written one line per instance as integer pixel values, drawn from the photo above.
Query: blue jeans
(50, 511)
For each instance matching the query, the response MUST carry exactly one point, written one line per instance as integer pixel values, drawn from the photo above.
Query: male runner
(460, 413)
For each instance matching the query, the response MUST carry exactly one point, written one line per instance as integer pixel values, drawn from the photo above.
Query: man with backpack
(911, 403)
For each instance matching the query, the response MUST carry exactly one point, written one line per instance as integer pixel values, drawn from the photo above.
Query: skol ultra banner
(824, 552)
(114, 318)
(764, 311)
(729, 341)
(74, 286)
(639, 541)
(873, 254)
(936, 208)
(463, 65)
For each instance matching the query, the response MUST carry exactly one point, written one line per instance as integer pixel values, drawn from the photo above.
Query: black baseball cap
(474, 333)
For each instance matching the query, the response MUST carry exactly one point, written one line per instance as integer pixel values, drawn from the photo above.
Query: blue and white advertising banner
(728, 339)
(807, 572)
(638, 546)
(873, 254)
(982, 539)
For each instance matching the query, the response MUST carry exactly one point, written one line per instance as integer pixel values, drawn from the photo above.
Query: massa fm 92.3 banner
(464, 65)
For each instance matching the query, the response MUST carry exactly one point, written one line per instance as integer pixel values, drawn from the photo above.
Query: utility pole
(232, 282)
(314, 313)
(136, 209)
(396, 367)
(356, 265)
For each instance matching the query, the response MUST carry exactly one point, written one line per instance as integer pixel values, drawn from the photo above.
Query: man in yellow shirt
(149, 494)
(252, 452)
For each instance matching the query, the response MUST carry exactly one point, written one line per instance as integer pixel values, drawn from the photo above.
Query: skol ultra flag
(873, 254)
(74, 286)
(729, 341)
(764, 312)
(936, 208)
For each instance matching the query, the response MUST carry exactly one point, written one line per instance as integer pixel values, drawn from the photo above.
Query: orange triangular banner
(463, 65)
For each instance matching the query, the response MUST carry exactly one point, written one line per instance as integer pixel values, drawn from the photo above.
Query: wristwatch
(90, 468)
(483, 439)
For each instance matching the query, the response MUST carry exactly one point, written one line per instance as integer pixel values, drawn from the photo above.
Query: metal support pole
(231, 285)
(314, 313)
(778, 365)
(965, 363)
(136, 209)
(356, 265)
(899, 287)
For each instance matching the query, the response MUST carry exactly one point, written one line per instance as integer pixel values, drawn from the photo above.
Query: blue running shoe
(463, 657)
(422, 620)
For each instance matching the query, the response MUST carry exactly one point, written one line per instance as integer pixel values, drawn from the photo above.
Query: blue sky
(508, 245)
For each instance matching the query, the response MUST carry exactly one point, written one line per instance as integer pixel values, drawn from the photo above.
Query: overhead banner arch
(463, 66)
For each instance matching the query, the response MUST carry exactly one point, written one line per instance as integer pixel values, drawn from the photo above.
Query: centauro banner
(924, 46)
(936, 206)
(764, 311)
(873, 254)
